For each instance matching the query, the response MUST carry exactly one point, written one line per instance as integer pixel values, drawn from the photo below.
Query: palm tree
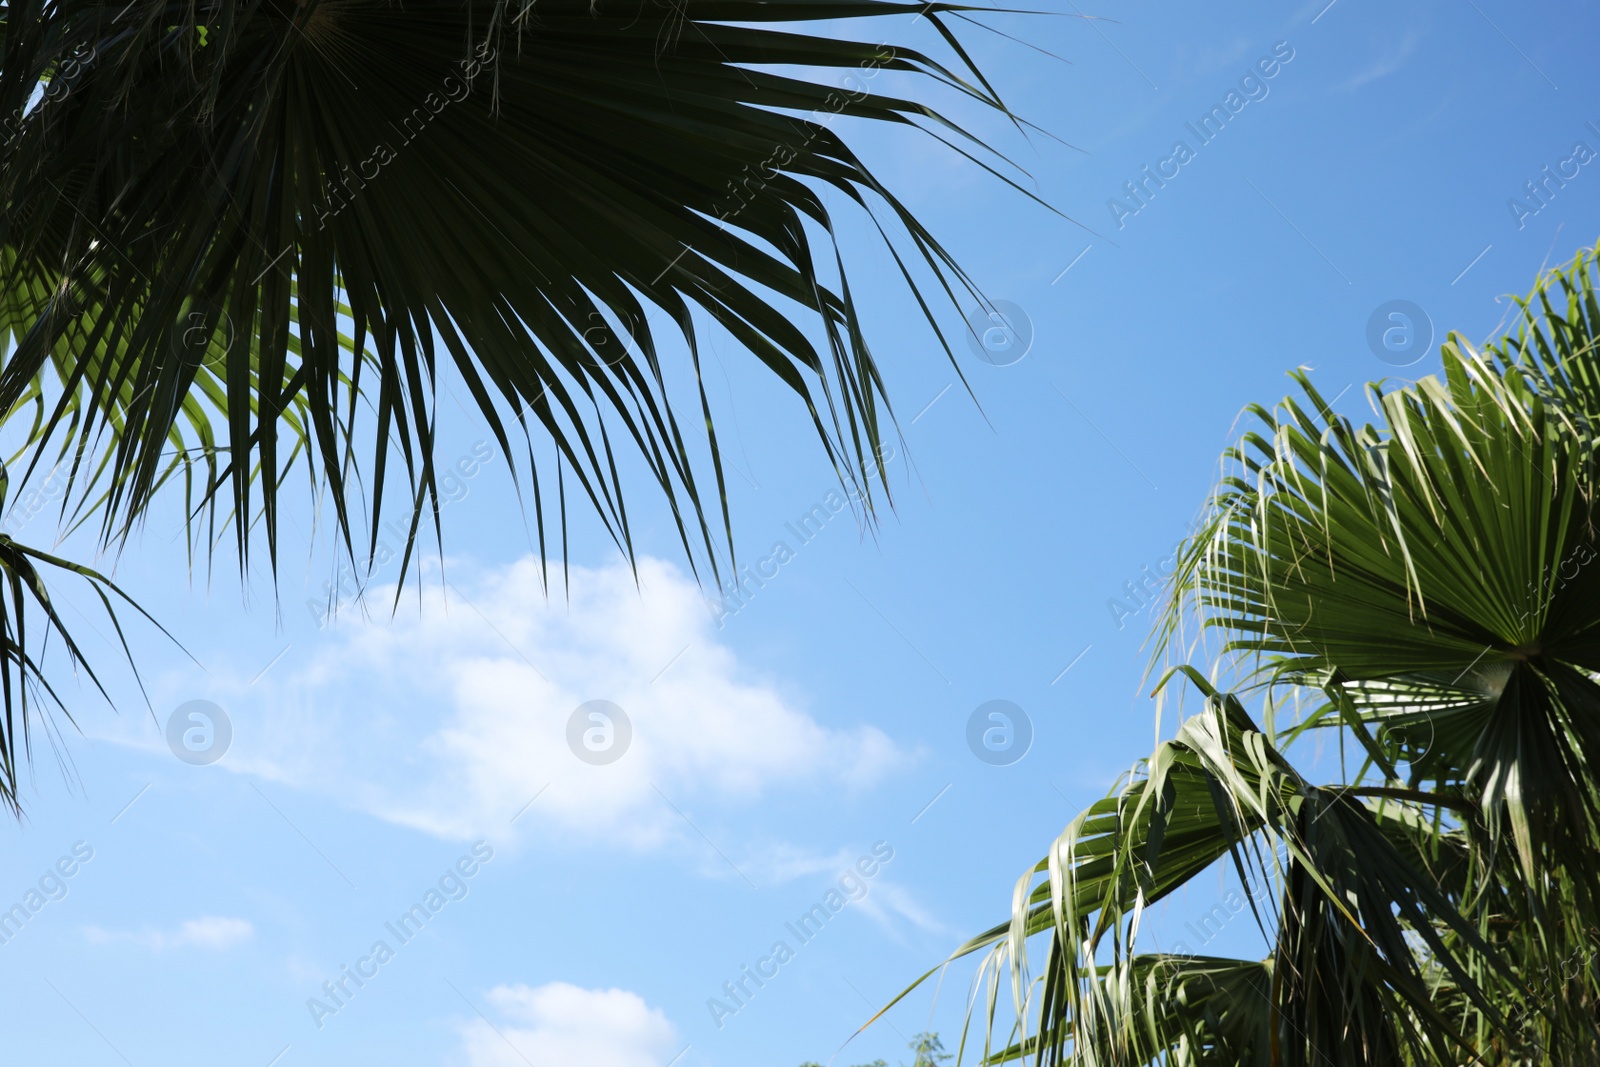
(1422, 586)
(246, 238)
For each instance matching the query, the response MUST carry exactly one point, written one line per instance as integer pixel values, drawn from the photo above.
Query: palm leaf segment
(215, 209)
(1429, 582)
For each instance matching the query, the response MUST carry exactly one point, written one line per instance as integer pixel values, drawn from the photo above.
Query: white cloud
(781, 861)
(889, 900)
(450, 716)
(560, 1023)
(210, 931)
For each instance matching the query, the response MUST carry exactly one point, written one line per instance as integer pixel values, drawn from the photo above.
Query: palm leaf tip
(29, 618)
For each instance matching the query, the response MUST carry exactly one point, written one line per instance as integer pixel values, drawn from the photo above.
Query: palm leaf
(1426, 583)
(1432, 572)
(26, 601)
(343, 188)
(1351, 903)
(1557, 327)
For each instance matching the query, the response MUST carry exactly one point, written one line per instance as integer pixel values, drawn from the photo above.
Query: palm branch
(1432, 571)
(29, 618)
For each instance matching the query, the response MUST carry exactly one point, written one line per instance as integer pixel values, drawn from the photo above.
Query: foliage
(337, 196)
(929, 1050)
(23, 682)
(249, 238)
(1421, 586)
(926, 1046)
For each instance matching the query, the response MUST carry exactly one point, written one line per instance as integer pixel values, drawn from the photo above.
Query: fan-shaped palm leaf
(244, 234)
(1434, 573)
(504, 189)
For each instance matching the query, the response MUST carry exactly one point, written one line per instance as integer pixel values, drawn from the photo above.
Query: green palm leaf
(1427, 581)
(1432, 572)
(1349, 900)
(346, 197)
(251, 236)
(29, 618)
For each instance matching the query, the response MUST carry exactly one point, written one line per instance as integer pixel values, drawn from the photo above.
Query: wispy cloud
(780, 862)
(208, 932)
(890, 905)
(1386, 64)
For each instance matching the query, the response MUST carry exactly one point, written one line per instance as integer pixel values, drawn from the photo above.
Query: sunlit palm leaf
(1427, 582)
(1558, 329)
(1348, 903)
(1434, 573)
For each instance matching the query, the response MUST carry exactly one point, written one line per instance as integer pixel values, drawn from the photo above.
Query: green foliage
(327, 210)
(929, 1050)
(927, 1047)
(247, 239)
(25, 599)
(1424, 586)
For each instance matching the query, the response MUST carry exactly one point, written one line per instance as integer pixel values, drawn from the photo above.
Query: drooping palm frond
(503, 189)
(249, 234)
(1334, 880)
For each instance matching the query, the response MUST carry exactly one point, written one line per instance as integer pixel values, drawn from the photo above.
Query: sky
(814, 765)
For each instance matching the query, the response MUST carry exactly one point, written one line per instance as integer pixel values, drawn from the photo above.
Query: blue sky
(781, 751)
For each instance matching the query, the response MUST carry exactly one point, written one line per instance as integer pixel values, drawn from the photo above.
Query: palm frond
(338, 189)
(29, 618)
(1433, 573)
(1346, 902)
(1426, 586)
(1558, 328)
